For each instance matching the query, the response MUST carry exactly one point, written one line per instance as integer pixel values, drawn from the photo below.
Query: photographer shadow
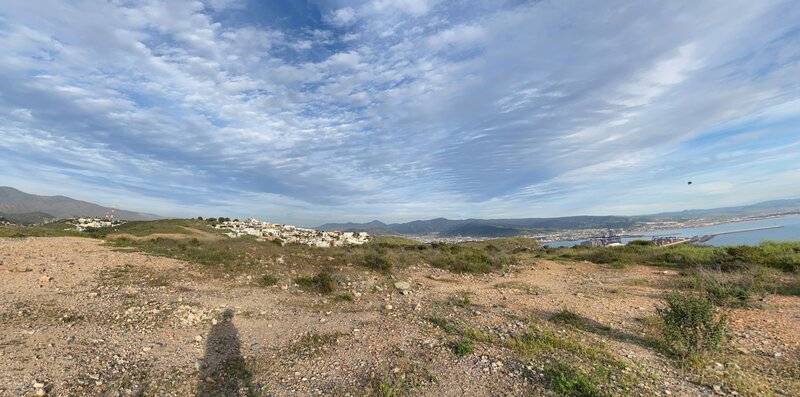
(223, 371)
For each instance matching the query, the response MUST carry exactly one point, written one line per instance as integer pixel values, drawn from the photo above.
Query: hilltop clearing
(80, 317)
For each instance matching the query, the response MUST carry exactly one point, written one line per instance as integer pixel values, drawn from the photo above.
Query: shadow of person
(223, 371)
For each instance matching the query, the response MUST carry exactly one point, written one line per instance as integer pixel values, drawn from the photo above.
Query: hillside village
(86, 223)
(291, 234)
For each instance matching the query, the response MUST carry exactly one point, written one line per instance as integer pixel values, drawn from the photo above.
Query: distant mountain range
(762, 208)
(515, 227)
(487, 227)
(23, 208)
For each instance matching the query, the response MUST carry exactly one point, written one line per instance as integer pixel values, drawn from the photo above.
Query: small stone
(778, 355)
(402, 285)
(389, 307)
(717, 388)
(41, 392)
(255, 347)
(198, 338)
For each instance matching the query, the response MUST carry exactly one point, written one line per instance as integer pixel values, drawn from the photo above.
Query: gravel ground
(80, 318)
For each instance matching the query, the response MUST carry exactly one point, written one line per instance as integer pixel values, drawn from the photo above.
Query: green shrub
(267, 280)
(470, 261)
(442, 323)
(568, 380)
(322, 283)
(732, 289)
(345, 297)
(690, 325)
(460, 302)
(566, 317)
(377, 261)
(463, 347)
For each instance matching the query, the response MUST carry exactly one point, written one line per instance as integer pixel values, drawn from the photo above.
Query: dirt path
(196, 233)
(85, 319)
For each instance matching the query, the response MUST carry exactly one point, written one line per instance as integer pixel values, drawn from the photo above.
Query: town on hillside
(83, 224)
(291, 234)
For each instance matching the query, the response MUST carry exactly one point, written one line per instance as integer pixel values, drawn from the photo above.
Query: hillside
(13, 201)
(27, 218)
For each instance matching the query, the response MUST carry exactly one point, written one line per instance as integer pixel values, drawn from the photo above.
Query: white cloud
(458, 36)
(412, 7)
(343, 16)
(405, 106)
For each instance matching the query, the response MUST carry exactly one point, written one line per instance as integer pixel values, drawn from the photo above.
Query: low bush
(345, 297)
(690, 324)
(267, 280)
(463, 347)
(566, 317)
(322, 283)
(568, 380)
(470, 261)
(377, 261)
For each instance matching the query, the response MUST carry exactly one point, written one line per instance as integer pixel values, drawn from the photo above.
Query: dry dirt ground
(81, 318)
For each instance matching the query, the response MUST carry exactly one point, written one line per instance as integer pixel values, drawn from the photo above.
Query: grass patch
(378, 261)
(566, 317)
(71, 318)
(568, 380)
(399, 382)
(267, 280)
(322, 283)
(344, 297)
(462, 302)
(737, 288)
(54, 229)
(313, 343)
(162, 226)
(239, 255)
(446, 325)
(573, 366)
(463, 347)
(784, 256)
(470, 260)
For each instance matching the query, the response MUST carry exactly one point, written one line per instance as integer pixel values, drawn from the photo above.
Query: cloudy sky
(315, 111)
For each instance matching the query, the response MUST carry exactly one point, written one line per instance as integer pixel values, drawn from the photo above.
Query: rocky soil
(81, 318)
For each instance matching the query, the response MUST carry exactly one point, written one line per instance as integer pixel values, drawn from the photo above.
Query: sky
(316, 111)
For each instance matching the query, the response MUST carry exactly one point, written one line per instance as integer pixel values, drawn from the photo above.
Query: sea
(789, 230)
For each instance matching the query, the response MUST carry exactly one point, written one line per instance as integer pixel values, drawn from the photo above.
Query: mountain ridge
(506, 227)
(14, 202)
